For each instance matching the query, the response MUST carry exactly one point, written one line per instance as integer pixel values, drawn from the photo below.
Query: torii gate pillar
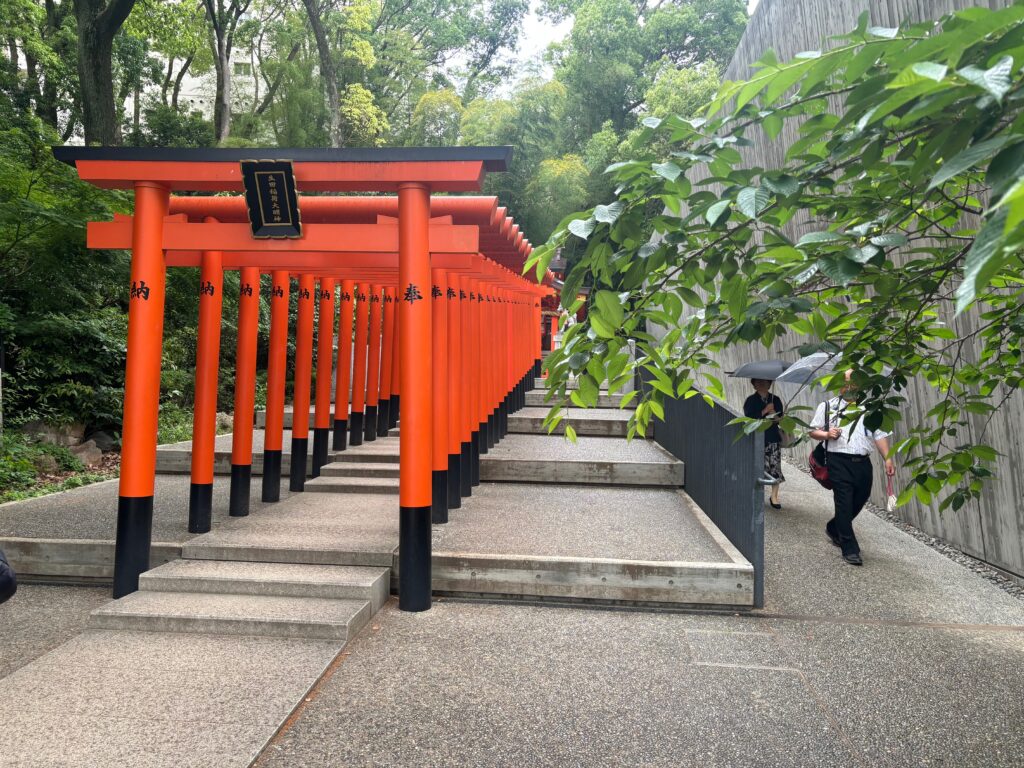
(414, 322)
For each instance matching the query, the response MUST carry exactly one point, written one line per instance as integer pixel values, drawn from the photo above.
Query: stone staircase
(326, 602)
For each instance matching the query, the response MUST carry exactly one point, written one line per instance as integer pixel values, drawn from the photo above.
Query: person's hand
(770, 408)
(835, 433)
(890, 467)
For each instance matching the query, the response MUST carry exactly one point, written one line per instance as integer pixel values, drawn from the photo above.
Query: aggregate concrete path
(40, 617)
(117, 698)
(577, 521)
(90, 512)
(607, 449)
(910, 660)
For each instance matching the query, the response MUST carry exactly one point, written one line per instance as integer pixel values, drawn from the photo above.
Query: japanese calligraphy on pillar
(271, 198)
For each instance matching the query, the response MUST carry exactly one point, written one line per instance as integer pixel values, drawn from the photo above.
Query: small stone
(88, 453)
(105, 441)
(224, 421)
(66, 434)
(45, 463)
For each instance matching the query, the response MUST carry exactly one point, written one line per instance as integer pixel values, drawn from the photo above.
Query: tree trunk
(327, 71)
(98, 22)
(166, 85)
(136, 108)
(222, 104)
(96, 79)
(179, 78)
(272, 87)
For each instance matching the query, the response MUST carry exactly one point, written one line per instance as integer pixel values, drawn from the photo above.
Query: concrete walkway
(910, 660)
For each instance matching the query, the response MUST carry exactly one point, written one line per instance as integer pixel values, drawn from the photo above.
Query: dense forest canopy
(297, 73)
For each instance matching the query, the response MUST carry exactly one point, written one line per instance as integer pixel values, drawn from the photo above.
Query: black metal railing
(723, 473)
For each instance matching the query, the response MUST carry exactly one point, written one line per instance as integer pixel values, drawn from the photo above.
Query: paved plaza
(910, 660)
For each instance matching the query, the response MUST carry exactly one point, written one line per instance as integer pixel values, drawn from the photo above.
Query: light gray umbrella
(761, 369)
(807, 370)
(810, 368)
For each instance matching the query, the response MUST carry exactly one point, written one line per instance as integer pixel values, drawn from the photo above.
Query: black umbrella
(761, 369)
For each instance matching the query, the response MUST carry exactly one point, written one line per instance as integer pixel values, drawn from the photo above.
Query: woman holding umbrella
(765, 405)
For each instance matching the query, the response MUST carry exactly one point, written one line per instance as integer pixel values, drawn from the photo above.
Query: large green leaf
(610, 306)
(752, 200)
(967, 159)
(983, 260)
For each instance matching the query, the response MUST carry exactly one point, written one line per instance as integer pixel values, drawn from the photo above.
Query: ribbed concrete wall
(993, 529)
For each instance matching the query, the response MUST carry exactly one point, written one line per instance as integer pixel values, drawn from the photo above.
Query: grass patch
(24, 473)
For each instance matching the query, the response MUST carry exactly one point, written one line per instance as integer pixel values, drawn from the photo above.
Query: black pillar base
(200, 507)
(370, 423)
(271, 475)
(414, 558)
(466, 470)
(536, 368)
(439, 496)
(481, 438)
(454, 481)
(492, 430)
(503, 419)
(241, 485)
(340, 441)
(321, 438)
(297, 475)
(395, 400)
(131, 550)
(383, 417)
(474, 453)
(355, 428)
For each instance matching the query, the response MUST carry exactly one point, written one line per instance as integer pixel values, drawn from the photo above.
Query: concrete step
(535, 399)
(542, 384)
(360, 469)
(352, 484)
(376, 452)
(261, 420)
(598, 422)
(179, 461)
(270, 579)
(306, 617)
(521, 458)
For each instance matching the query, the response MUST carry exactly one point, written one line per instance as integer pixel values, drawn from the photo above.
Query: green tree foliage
(62, 307)
(559, 182)
(331, 72)
(436, 119)
(891, 235)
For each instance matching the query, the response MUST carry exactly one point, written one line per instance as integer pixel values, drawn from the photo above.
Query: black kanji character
(304, 293)
(278, 291)
(346, 296)
(206, 287)
(139, 291)
(245, 290)
(451, 293)
(462, 294)
(435, 292)
(412, 294)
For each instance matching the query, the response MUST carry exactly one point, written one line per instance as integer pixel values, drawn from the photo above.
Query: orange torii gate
(436, 464)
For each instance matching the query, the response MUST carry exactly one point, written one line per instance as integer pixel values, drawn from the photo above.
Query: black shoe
(853, 558)
(774, 505)
(833, 538)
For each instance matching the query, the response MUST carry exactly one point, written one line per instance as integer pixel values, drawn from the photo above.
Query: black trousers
(851, 478)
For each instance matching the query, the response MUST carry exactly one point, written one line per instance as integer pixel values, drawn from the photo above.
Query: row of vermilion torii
(406, 295)
(481, 369)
